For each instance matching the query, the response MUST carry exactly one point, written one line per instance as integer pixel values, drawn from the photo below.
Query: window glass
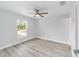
(22, 27)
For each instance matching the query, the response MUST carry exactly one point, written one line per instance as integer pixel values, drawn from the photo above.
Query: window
(22, 27)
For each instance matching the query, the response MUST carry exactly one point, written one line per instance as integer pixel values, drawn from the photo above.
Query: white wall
(8, 29)
(54, 28)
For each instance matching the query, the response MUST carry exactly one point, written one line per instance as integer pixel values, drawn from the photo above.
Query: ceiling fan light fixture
(37, 15)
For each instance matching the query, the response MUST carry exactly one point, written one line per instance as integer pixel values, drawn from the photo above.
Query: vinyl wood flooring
(37, 48)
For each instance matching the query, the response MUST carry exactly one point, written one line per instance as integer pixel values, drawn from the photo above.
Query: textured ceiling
(24, 7)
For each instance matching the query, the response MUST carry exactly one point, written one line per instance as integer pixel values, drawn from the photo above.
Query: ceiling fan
(38, 13)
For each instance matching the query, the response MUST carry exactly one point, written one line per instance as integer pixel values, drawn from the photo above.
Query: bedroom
(37, 28)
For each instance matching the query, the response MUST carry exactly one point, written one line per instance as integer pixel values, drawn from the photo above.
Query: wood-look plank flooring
(37, 48)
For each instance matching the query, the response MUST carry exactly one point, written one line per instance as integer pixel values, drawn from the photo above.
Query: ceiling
(23, 7)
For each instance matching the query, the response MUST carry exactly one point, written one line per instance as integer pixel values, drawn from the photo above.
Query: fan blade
(35, 15)
(43, 13)
(30, 13)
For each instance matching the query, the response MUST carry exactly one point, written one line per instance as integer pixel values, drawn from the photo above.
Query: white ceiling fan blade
(30, 13)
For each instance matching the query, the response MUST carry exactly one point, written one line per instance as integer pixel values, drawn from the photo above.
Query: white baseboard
(63, 42)
(26, 39)
(15, 43)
